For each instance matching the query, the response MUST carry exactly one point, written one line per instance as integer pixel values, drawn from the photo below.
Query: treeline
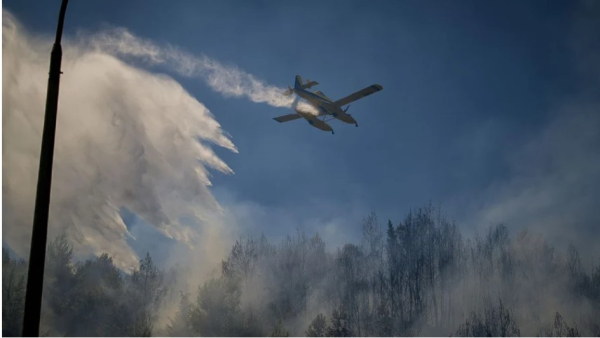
(417, 277)
(91, 298)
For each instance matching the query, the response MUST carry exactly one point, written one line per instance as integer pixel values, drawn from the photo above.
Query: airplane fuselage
(324, 106)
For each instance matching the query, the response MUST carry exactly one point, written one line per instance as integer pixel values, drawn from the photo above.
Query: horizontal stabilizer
(286, 118)
(358, 95)
(298, 83)
(309, 84)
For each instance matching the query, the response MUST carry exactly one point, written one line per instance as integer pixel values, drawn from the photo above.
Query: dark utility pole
(37, 254)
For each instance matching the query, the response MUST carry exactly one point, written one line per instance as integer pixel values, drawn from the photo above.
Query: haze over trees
(419, 276)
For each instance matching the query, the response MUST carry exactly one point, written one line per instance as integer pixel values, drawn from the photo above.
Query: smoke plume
(126, 138)
(227, 80)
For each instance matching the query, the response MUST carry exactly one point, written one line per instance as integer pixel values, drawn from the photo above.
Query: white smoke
(305, 108)
(227, 80)
(125, 138)
(554, 177)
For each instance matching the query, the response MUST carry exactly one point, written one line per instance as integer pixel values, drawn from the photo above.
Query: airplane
(323, 105)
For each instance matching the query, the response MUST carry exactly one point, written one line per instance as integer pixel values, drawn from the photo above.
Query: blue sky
(465, 83)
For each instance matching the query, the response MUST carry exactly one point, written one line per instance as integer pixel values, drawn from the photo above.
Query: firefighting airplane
(325, 107)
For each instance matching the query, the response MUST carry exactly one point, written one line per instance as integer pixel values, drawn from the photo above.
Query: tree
(241, 260)
(352, 284)
(279, 330)
(318, 327)
(339, 325)
(95, 300)
(289, 270)
(13, 294)
(180, 325)
(218, 309)
(253, 326)
(145, 294)
(495, 322)
(560, 328)
(58, 284)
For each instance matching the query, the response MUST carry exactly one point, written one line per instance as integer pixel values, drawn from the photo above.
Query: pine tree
(180, 325)
(13, 294)
(318, 327)
(340, 326)
(279, 330)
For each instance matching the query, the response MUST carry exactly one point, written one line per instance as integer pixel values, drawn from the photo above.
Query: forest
(419, 276)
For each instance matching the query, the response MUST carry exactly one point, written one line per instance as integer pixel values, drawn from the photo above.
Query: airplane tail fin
(298, 83)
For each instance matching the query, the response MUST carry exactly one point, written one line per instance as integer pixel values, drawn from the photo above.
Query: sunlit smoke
(125, 138)
(304, 107)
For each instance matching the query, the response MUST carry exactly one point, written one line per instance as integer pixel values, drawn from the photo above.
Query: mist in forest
(417, 276)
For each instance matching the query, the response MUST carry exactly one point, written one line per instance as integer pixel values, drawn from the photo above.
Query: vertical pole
(37, 254)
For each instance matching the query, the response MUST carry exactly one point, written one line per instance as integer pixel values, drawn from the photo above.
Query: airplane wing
(358, 95)
(286, 118)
